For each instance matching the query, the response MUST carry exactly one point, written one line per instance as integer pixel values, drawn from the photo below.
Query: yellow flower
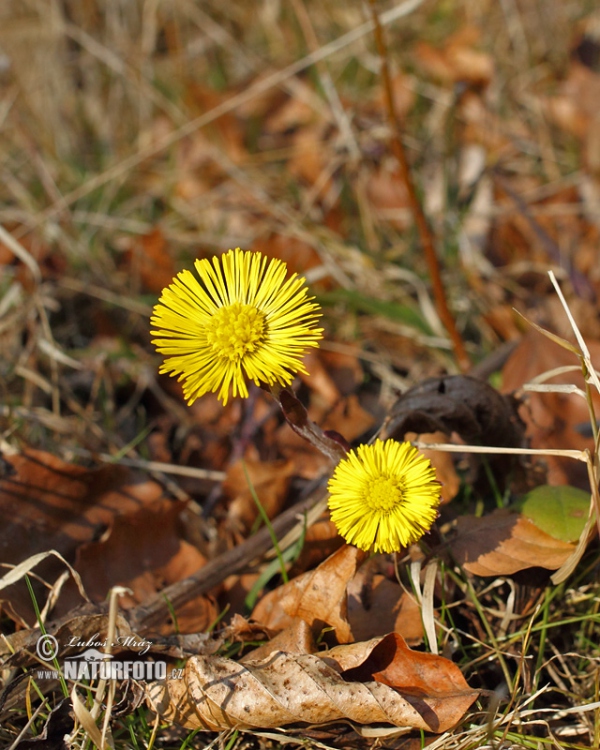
(245, 321)
(384, 496)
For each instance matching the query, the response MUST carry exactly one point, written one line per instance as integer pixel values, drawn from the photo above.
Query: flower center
(383, 494)
(236, 330)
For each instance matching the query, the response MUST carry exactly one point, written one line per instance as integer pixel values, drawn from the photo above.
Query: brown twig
(425, 233)
(148, 617)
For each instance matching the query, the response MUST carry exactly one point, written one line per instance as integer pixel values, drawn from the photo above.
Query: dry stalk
(423, 228)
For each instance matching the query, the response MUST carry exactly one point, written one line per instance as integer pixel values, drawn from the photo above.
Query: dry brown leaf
(427, 678)
(388, 198)
(297, 639)
(317, 597)
(503, 543)
(554, 420)
(149, 258)
(457, 60)
(381, 606)
(442, 463)
(409, 620)
(349, 419)
(270, 481)
(391, 684)
(324, 390)
(321, 540)
(52, 504)
(143, 552)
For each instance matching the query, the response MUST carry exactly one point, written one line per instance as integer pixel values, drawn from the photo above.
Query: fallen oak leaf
(217, 693)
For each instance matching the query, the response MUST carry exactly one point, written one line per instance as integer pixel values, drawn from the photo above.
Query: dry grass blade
(229, 105)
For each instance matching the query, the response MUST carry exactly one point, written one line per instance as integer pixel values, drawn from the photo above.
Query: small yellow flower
(384, 496)
(245, 321)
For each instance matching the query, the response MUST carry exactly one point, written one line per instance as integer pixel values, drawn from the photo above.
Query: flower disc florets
(242, 321)
(384, 496)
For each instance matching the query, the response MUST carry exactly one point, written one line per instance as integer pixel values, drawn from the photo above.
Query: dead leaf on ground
(442, 462)
(503, 543)
(553, 420)
(389, 684)
(321, 541)
(269, 480)
(464, 405)
(149, 258)
(380, 606)
(324, 392)
(52, 504)
(297, 639)
(458, 59)
(318, 597)
(142, 551)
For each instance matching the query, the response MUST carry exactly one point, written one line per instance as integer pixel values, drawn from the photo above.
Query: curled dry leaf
(463, 405)
(503, 543)
(318, 597)
(297, 639)
(390, 684)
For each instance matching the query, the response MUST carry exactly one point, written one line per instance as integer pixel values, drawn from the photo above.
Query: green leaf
(559, 511)
(392, 310)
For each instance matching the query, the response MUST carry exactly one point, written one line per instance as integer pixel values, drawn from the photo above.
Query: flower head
(244, 321)
(384, 496)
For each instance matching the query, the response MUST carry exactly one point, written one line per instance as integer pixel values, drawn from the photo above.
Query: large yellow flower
(384, 496)
(244, 321)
